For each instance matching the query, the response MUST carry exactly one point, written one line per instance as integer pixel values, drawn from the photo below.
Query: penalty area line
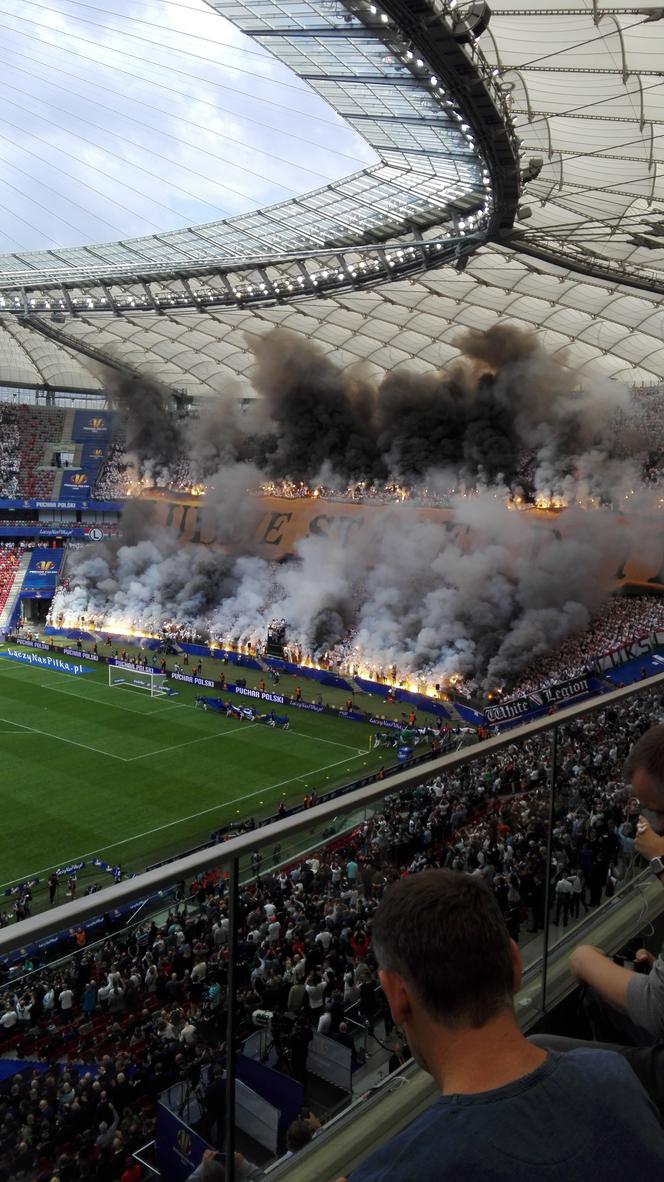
(180, 821)
(188, 742)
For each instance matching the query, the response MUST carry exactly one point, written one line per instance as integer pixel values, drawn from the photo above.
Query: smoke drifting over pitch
(482, 598)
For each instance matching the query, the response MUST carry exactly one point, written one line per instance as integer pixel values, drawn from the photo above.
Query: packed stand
(119, 478)
(113, 480)
(9, 450)
(147, 1007)
(621, 620)
(10, 556)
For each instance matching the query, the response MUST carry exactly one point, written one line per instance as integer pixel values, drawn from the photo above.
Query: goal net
(122, 674)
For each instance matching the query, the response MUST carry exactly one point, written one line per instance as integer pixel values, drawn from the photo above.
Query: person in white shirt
(324, 1023)
(324, 938)
(315, 990)
(9, 1019)
(564, 892)
(199, 971)
(66, 1000)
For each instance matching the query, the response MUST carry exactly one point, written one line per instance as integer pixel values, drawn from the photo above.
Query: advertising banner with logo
(178, 1148)
(93, 455)
(76, 484)
(92, 428)
(42, 573)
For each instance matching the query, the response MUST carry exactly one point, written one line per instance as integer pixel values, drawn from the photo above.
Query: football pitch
(90, 770)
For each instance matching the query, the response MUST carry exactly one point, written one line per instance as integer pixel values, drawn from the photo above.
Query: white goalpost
(124, 674)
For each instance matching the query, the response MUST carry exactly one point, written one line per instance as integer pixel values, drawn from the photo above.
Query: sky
(121, 119)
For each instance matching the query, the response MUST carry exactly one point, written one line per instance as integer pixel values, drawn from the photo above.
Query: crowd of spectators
(622, 619)
(641, 427)
(147, 1008)
(9, 450)
(119, 477)
(113, 478)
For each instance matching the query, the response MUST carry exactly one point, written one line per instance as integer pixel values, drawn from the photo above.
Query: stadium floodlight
(124, 674)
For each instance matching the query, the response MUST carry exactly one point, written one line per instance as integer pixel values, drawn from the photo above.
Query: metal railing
(312, 828)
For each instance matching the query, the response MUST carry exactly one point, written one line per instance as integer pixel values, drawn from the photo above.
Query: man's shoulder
(530, 1122)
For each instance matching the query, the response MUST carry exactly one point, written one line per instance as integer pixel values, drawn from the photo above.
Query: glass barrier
(210, 1001)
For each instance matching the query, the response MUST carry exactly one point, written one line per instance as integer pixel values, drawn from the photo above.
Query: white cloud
(112, 127)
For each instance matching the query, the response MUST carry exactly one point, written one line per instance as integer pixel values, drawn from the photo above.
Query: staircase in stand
(11, 582)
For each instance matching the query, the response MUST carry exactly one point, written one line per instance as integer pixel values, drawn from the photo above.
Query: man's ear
(398, 995)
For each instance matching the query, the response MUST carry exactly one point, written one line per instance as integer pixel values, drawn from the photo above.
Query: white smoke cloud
(481, 597)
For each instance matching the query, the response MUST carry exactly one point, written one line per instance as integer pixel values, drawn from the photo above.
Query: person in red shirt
(132, 1171)
(359, 943)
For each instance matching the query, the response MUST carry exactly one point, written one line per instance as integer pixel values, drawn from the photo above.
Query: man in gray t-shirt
(633, 999)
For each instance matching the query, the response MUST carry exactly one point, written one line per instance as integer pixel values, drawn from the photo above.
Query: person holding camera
(627, 1004)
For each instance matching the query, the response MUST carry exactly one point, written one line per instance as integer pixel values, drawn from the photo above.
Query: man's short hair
(647, 755)
(444, 933)
(299, 1134)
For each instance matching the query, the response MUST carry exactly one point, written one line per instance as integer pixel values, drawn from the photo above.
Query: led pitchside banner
(276, 699)
(12, 654)
(91, 533)
(32, 503)
(191, 679)
(521, 709)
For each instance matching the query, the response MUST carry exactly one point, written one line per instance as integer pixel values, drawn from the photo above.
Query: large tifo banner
(635, 558)
(42, 574)
(526, 707)
(632, 650)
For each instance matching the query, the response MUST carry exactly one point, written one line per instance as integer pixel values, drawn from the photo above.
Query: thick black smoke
(149, 412)
(316, 414)
(503, 399)
(504, 411)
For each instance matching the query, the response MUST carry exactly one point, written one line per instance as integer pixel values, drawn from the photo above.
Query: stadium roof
(519, 178)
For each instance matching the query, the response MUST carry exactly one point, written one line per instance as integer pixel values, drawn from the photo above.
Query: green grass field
(89, 770)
